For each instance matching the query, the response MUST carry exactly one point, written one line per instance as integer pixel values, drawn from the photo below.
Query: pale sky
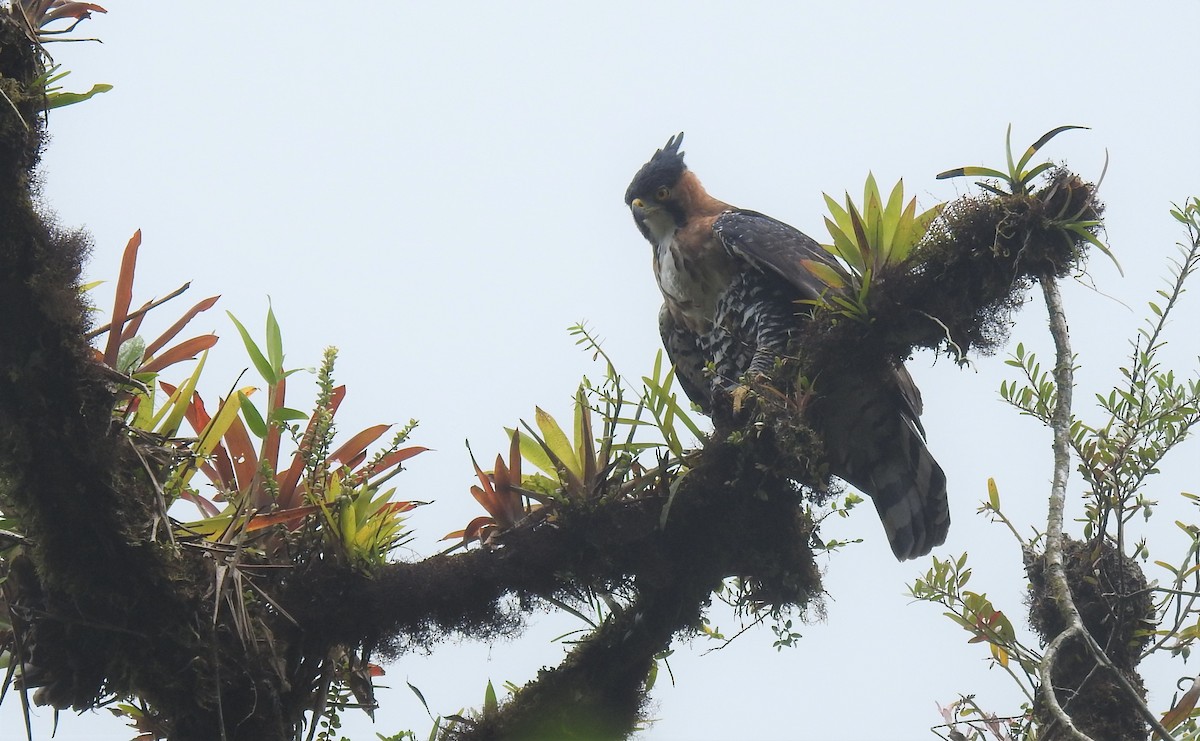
(431, 185)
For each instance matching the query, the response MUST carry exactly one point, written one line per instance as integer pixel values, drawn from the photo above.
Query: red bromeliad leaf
(487, 499)
(479, 528)
(398, 507)
(514, 457)
(356, 445)
(499, 477)
(270, 448)
(226, 477)
(484, 480)
(78, 11)
(131, 329)
(186, 350)
(220, 472)
(208, 508)
(241, 451)
(356, 461)
(216, 477)
(178, 326)
(396, 457)
(506, 497)
(124, 296)
(195, 414)
(287, 517)
(472, 531)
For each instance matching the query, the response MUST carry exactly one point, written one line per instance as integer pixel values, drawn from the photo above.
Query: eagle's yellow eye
(663, 193)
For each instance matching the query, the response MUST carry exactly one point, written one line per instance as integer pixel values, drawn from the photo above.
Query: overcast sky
(436, 188)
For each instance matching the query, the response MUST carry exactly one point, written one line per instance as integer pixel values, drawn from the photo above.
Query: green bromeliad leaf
(867, 241)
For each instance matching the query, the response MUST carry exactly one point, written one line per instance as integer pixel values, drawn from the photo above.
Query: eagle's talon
(739, 396)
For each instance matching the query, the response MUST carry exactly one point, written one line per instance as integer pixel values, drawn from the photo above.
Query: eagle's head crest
(664, 168)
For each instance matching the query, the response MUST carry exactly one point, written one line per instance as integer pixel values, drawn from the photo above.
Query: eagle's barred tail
(875, 443)
(909, 491)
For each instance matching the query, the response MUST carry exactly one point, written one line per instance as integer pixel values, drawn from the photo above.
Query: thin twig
(134, 314)
(15, 110)
(159, 495)
(1064, 380)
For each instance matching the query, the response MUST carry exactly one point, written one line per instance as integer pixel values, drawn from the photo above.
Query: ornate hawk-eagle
(731, 280)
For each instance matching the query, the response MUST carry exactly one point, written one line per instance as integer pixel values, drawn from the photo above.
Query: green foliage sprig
(1148, 414)
(587, 464)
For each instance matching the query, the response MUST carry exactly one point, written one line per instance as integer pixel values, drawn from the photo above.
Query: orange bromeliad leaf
(270, 449)
(506, 495)
(357, 445)
(284, 516)
(473, 530)
(514, 457)
(208, 508)
(178, 326)
(241, 451)
(487, 498)
(134, 324)
(186, 350)
(397, 508)
(124, 294)
(396, 457)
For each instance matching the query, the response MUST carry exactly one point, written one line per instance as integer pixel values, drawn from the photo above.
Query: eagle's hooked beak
(638, 208)
(641, 209)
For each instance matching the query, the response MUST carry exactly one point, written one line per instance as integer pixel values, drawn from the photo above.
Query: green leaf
(557, 442)
(490, 704)
(907, 232)
(669, 401)
(977, 172)
(825, 273)
(286, 414)
(179, 401)
(58, 100)
(1028, 177)
(129, 357)
(993, 190)
(274, 342)
(840, 217)
(254, 420)
(873, 221)
(534, 453)
(264, 367)
(1080, 228)
(843, 246)
(1014, 175)
(1041, 142)
(892, 215)
(419, 695)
